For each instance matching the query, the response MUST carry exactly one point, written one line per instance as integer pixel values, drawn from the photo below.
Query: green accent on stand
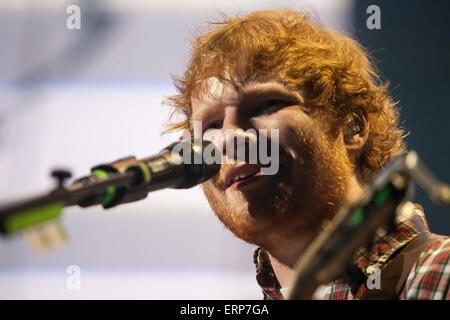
(357, 217)
(381, 195)
(32, 217)
(110, 191)
(146, 172)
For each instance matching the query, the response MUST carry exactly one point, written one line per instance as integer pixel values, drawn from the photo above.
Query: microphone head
(201, 161)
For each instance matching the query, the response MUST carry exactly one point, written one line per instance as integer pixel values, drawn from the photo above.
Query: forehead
(213, 93)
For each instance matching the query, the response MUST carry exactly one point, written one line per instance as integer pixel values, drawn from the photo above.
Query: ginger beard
(308, 188)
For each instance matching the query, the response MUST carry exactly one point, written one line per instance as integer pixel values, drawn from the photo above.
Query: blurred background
(77, 98)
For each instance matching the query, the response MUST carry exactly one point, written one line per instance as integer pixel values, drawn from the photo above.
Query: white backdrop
(75, 100)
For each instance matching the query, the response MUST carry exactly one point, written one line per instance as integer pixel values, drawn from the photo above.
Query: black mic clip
(111, 196)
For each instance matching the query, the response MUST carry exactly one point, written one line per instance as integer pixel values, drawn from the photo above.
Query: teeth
(240, 177)
(244, 175)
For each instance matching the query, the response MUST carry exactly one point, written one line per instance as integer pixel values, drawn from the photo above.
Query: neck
(283, 263)
(284, 258)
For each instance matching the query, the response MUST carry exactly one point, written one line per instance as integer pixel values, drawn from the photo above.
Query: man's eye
(214, 125)
(269, 106)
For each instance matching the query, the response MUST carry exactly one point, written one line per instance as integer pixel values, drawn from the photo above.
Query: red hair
(327, 67)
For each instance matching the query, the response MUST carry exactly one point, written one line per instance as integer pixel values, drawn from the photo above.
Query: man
(337, 127)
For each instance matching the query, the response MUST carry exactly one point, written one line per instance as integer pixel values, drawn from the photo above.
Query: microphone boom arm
(125, 180)
(356, 225)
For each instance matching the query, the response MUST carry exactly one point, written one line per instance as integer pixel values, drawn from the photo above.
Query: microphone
(180, 165)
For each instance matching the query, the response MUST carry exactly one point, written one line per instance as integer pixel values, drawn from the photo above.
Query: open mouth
(242, 175)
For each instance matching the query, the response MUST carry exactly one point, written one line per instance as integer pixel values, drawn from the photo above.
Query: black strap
(395, 274)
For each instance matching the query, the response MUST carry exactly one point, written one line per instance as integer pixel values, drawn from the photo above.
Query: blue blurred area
(413, 52)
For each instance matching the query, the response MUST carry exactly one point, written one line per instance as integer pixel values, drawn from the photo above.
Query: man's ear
(356, 132)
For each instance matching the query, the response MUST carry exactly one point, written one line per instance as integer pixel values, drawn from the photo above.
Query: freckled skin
(309, 187)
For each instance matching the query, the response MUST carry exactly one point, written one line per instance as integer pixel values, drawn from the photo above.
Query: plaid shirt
(428, 279)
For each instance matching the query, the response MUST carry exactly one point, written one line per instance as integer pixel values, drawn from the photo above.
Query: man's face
(313, 166)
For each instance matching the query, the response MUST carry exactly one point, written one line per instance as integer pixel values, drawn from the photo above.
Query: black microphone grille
(200, 164)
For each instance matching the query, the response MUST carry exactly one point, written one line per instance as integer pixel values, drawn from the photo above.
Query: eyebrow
(262, 89)
(268, 88)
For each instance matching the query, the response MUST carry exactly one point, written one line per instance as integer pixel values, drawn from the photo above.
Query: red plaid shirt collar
(384, 248)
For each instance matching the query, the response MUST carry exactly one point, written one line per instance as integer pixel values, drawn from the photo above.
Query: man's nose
(235, 142)
(232, 119)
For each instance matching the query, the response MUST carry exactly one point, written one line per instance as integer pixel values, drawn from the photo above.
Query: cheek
(296, 132)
